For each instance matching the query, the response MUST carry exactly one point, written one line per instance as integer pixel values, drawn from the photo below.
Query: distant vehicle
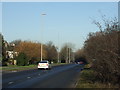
(80, 62)
(44, 65)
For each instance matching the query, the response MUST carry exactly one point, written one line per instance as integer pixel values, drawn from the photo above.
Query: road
(58, 77)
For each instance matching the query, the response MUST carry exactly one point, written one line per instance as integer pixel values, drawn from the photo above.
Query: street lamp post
(43, 14)
(68, 54)
(58, 49)
(58, 56)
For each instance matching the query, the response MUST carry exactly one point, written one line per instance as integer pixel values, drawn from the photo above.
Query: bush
(88, 75)
(88, 79)
(22, 59)
(102, 50)
(5, 63)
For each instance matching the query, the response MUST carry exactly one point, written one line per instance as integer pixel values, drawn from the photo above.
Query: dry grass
(87, 80)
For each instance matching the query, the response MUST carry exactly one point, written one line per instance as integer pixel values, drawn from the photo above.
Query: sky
(64, 21)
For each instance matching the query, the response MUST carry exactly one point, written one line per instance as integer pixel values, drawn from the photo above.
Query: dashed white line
(28, 77)
(14, 71)
(10, 82)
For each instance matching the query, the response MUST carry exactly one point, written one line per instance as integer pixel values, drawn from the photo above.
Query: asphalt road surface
(58, 77)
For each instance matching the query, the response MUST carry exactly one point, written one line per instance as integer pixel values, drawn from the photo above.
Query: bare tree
(102, 49)
(51, 51)
(66, 52)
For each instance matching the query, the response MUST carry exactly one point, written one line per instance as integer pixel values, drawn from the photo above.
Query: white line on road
(10, 82)
(28, 77)
(14, 71)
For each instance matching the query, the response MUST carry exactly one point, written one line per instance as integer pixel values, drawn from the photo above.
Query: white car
(44, 65)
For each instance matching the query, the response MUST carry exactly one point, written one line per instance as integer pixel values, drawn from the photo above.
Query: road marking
(28, 77)
(10, 82)
(14, 71)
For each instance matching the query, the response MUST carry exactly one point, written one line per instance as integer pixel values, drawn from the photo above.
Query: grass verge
(21, 68)
(87, 80)
(17, 68)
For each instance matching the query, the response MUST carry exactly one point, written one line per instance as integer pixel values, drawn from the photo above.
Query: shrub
(102, 50)
(88, 75)
(22, 59)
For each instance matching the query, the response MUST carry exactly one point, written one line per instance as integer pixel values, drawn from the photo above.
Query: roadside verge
(10, 69)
